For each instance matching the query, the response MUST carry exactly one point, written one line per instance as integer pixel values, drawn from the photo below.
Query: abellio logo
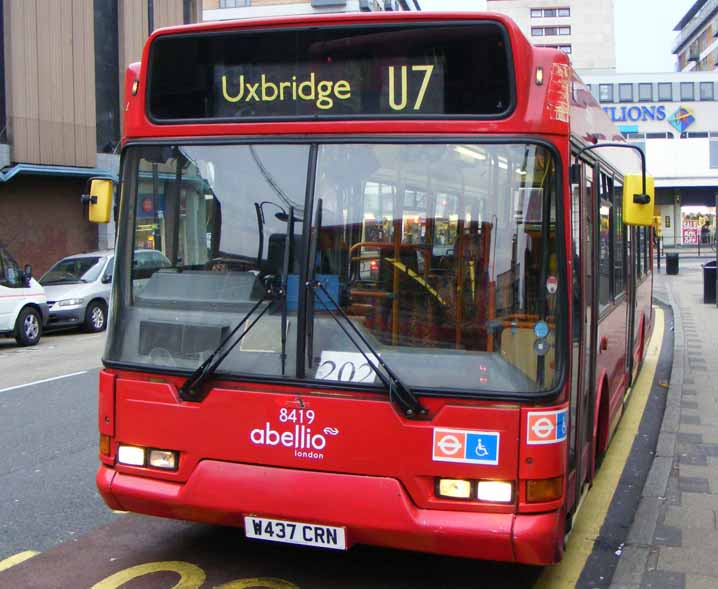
(304, 442)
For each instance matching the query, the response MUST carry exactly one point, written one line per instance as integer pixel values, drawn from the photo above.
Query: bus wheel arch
(600, 420)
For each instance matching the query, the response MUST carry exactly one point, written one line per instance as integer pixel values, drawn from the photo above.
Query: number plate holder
(289, 532)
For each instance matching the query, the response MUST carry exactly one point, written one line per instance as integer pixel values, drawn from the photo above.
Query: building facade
(696, 45)
(584, 30)
(62, 68)
(233, 9)
(673, 117)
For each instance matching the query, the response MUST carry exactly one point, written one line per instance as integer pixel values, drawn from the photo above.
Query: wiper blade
(190, 390)
(398, 391)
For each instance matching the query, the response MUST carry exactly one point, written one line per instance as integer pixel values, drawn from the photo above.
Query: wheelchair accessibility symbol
(481, 450)
(451, 445)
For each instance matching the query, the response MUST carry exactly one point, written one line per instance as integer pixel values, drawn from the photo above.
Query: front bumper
(66, 316)
(374, 510)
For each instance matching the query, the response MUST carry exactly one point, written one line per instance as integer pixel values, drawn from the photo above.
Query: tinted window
(625, 92)
(706, 90)
(605, 92)
(109, 269)
(687, 91)
(619, 279)
(410, 71)
(645, 92)
(9, 271)
(73, 270)
(604, 242)
(665, 91)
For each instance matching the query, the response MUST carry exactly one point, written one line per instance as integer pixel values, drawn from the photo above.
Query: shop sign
(635, 114)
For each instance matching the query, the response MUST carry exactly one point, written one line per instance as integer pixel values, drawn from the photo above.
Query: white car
(23, 304)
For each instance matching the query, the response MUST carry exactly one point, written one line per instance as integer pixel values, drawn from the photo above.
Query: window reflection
(443, 255)
(442, 247)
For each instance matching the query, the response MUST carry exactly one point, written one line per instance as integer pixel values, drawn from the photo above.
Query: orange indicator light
(541, 490)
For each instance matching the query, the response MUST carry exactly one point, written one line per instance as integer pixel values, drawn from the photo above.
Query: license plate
(276, 530)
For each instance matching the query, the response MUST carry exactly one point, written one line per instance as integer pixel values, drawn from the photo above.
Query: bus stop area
(671, 543)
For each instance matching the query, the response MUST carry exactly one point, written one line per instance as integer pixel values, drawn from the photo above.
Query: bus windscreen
(379, 71)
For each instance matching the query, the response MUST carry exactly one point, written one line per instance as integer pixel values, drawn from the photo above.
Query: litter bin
(709, 282)
(671, 263)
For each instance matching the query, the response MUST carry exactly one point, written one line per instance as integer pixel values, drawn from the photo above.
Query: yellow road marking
(11, 561)
(592, 515)
(191, 576)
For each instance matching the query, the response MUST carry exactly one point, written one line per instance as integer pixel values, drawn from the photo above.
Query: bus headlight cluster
(150, 457)
(487, 491)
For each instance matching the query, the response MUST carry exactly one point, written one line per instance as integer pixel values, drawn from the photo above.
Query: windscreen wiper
(398, 391)
(190, 390)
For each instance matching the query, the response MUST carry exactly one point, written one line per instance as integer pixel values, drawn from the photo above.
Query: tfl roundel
(547, 427)
(467, 446)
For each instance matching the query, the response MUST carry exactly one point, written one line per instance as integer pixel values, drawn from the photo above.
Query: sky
(644, 30)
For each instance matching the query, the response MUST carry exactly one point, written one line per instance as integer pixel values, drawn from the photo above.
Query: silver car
(78, 291)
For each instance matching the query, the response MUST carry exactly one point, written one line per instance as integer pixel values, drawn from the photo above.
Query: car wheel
(28, 327)
(96, 317)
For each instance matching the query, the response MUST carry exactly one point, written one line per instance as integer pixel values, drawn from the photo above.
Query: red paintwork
(106, 404)
(376, 474)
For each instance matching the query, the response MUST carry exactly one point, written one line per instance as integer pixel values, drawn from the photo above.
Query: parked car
(23, 304)
(78, 291)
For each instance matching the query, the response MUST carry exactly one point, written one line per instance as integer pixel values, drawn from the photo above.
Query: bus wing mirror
(637, 204)
(99, 200)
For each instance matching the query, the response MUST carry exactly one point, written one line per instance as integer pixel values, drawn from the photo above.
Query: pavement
(673, 540)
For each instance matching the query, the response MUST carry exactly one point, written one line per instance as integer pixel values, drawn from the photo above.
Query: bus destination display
(385, 71)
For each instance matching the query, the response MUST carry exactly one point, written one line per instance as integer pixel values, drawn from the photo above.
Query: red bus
(370, 286)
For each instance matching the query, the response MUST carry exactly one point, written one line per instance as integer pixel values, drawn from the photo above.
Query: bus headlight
(494, 491)
(164, 459)
(131, 455)
(454, 489)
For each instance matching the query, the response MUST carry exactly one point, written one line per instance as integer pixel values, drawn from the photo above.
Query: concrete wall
(41, 220)
(680, 162)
